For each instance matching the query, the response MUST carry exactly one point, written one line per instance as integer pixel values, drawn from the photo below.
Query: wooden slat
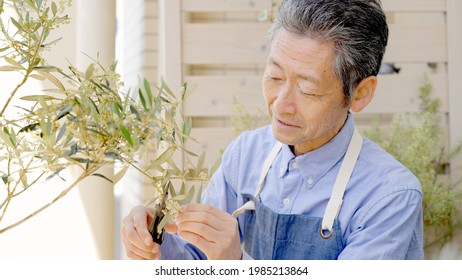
(260, 5)
(416, 44)
(225, 5)
(455, 81)
(225, 43)
(213, 95)
(414, 5)
(399, 93)
(211, 140)
(246, 43)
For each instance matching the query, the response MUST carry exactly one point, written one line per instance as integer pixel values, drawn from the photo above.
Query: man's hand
(213, 231)
(136, 237)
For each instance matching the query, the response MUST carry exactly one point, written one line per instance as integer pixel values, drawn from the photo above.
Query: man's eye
(307, 92)
(274, 78)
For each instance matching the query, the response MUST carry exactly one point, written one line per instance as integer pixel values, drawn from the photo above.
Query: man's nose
(285, 102)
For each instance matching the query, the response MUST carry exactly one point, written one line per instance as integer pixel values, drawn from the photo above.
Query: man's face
(305, 99)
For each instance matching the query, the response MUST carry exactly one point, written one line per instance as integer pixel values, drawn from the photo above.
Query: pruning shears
(158, 235)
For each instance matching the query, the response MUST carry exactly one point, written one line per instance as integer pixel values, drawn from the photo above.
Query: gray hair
(357, 30)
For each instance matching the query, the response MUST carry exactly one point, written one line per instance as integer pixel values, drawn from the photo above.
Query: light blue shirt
(381, 215)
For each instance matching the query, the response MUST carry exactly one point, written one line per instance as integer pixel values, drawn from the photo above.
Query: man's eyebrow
(300, 76)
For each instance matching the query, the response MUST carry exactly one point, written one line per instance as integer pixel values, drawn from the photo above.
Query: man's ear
(363, 94)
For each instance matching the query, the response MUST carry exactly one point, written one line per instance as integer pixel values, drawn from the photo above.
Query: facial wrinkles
(304, 63)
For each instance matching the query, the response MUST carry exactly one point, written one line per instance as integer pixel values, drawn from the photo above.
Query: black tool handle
(157, 237)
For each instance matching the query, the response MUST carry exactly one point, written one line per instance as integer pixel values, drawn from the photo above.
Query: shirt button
(282, 171)
(286, 201)
(310, 181)
(294, 165)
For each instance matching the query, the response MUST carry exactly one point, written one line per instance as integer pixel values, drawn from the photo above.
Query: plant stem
(62, 194)
(28, 70)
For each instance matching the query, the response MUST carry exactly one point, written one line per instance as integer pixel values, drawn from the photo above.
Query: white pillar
(96, 24)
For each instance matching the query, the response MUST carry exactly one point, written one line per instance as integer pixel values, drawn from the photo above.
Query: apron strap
(336, 199)
(249, 205)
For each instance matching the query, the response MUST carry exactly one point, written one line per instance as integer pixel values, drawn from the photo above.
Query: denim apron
(269, 235)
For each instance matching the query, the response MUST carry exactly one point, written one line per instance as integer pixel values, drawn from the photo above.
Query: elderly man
(308, 186)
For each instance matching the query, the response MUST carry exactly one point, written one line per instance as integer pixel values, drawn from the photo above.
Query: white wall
(80, 225)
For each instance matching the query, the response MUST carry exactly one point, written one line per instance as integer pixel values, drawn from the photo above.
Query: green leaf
(65, 111)
(9, 68)
(126, 134)
(147, 88)
(54, 8)
(185, 198)
(172, 190)
(16, 23)
(142, 99)
(13, 62)
(164, 221)
(120, 174)
(116, 109)
(37, 97)
(37, 77)
(89, 71)
(30, 127)
(1, 10)
(135, 112)
(166, 155)
(23, 177)
(102, 176)
(166, 88)
(215, 166)
(5, 48)
(11, 136)
(51, 78)
(4, 134)
(200, 162)
(61, 132)
(190, 153)
(5, 178)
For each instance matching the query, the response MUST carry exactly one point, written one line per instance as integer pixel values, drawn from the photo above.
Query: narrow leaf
(37, 97)
(89, 71)
(186, 198)
(126, 134)
(23, 177)
(102, 176)
(200, 161)
(164, 221)
(13, 62)
(147, 88)
(52, 79)
(61, 132)
(54, 8)
(5, 178)
(37, 77)
(166, 155)
(120, 174)
(9, 68)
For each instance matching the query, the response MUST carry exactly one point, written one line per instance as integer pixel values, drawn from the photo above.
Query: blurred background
(220, 46)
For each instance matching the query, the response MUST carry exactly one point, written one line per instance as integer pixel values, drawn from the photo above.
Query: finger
(197, 240)
(141, 217)
(200, 229)
(134, 251)
(205, 208)
(201, 218)
(171, 228)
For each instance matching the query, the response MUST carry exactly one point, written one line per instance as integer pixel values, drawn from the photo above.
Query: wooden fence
(221, 46)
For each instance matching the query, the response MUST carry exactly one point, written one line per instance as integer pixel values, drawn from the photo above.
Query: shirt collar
(314, 164)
